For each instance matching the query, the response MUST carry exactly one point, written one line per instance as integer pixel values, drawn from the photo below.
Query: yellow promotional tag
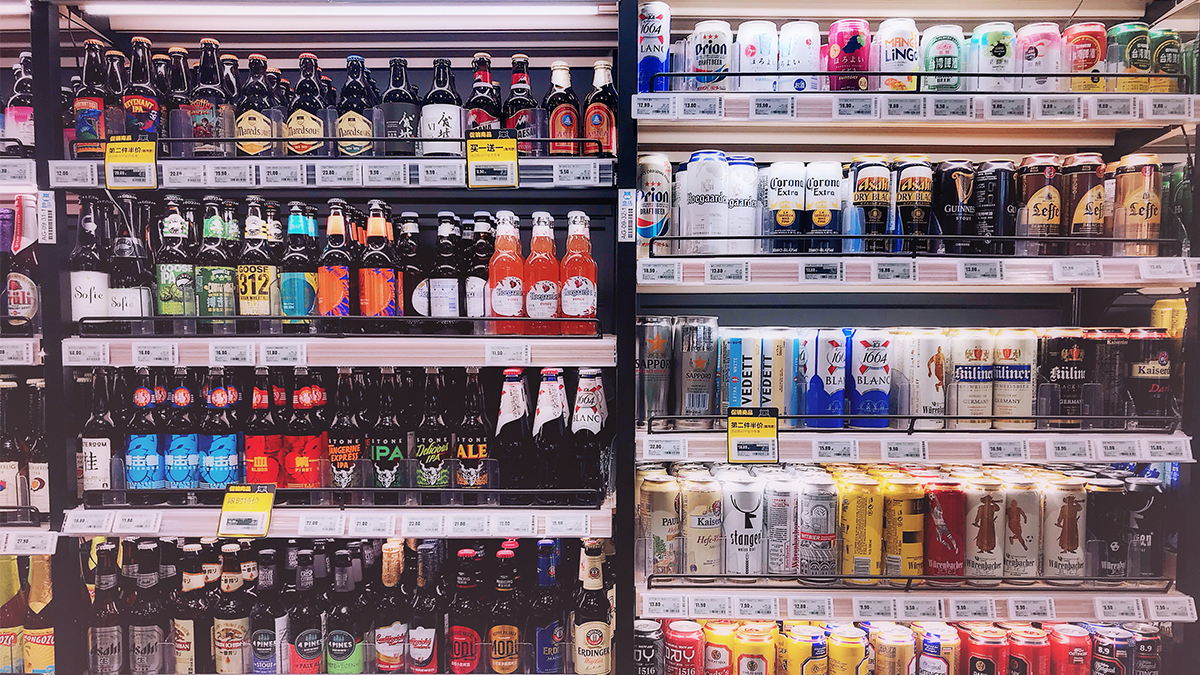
(246, 511)
(753, 435)
(130, 164)
(492, 158)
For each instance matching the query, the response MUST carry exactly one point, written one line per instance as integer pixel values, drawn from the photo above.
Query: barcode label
(1119, 609)
(137, 522)
(1118, 450)
(663, 606)
(386, 174)
(980, 271)
(820, 608)
(151, 354)
(665, 448)
(1166, 450)
(972, 609)
(1070, 449)
(756, 607)
(649, 106)
(1172, 609)
(372, 525)
(283, 174)
(874, 609)
(321, 525)
(1006, 451)
(727, 272)
(896, 451)
(659, 272)
(710, 606)
(339, 174)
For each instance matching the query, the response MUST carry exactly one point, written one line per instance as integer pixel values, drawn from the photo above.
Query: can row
(911, 204)
(923, 378)
(982, 525)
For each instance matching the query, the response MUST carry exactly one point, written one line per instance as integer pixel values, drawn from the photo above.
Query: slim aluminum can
(871, 191)
(928, 364)
(1147, 648)
(742, 199)
(848, 651)
(678, 224)
(640, 472)
(992, 50)
(899, 52)
(985, 530)
(695, 368)
(1112, 652)
(826, 356)
(861, 517)
(1107, 365)
(660, 504)
(719, 639)
(1029, 651)
(914, 200)
(942, 50)
(1040, 47)
(995, 199)
(1064, 353)
(654, 43)
(1070, 650)
(711, 45)
(684, 647)
(903, 529)
(700, 525)
(818, 526)
(945, 529)
(798, 385)
(649, 655)
(654, 202)
(823, 206)
(757, 50)
(1137, 211)
(869, 383)
(778, 345)
(1165, 59)
(953, 184)
(1014, 362)
(742, 514)
(782, 504)
(895, 651)
(653, 365)
(707, 202)
(1084, 46)
(941, 651)
(785, 202)
(799, 50)
(1128, 52)
(1064, 530)
(971, 390)
(740, 354)
(1107, 517)
(1083, 203)
(849, 52)
(1146, 526)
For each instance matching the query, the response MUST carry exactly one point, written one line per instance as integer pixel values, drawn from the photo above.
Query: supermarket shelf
(932, 446)
(405, 351)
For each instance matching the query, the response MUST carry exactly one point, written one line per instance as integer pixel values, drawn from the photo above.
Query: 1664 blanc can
(700, 525)
(654, 43)
(903, 529)
(648, 653)
(849, 52)
(660, 504)
(899, 52)
(775, 381)
(740, 354)
(754, 649)
(653, 365)
(953, 206)
(1014, 362)
(1165, 59)
(781, 511)
(945, 529)
(985, 650)
(914, 200)
(941, 651)
(799, 50)
(1112, 651)
(984, 531)
(1107, 515)
(711, 46)
(695, 368)
(654, 202)
(744, 205)
(798, 387)
(995, 200)
(871, 187)
(684, 648)
(719, 638)
(942, 50)
(992, 50)
(1064, 530)
(869, 383)
(1039, 186)
(1022, 529)
(803, 651)
(784, 206)
(1083, 203)
(1084, 46)
(757, 50)
(971, 387)
(742, 517)
(707, 202)
(1147, 648)
(1029, 651)
(861, 518)
(1137, 210)
(1070, 650)
(818, 527)
(847, 651)
(1039, 47)
(1128, 52)
(826, 356)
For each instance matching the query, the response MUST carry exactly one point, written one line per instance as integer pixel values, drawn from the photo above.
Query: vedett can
(654, 44)
(823, 206)
(695, 356)
(711, 44)
(775, 381)
(869, 380)
(871, 191)
(994, 197)
(1014, 362)
(798, 386)
(782, 503)
(785, 202)
(648, 654)
(953, 184)
(700, 525)
(653, 365)
(826, 358)
(818, 526)
(740, 353)
(742, 514)
(799, 50)
(1084, 47)
(1064, 530)
(654, 201)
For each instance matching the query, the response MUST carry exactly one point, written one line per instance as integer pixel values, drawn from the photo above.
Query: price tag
(835, 450)
(129, 164)
(755, 607)
(492, 158)
(1031, 609)
(80, 521)
(670, 449)
(898, 451)
(704, 106)
(468, 525)
(951, 108)
(385, 174)
(151, 354)
(710, 606)
(246, 510)
(572, 173)
(1006, 107)
(1119, 609)
(1077, 269)
(442, 174)
(1057, 108)
(980, 271)
(1167, 107)
(338, 174)
(283, 174)
(184, 175)
(507, 354)
(1067, 450)
(568, 525)
(753, 435)
(874, 609)
(372, 525)
(231, 174)
(856, 107)
(627, 215)
(221, 353)
(85, 353)
(72, 173)
(1163, 268)
(17, 172)
(663, 606)
(1113, 107)
(321, 525)
(830, 271)
(31, 543)
(650, 106)
(423, 525)
(726, 271)
(893, 271)
(1166, 450)
(137, 522)
(652, 271)
(904, 107)
(1006, 450)
(812, 608)
(1118, 450)
(920, 609)
(972, 609)
(772, 108)
(514, 525)
(18, 352)
(1194, 266)
(283, 354)
(1161, 609)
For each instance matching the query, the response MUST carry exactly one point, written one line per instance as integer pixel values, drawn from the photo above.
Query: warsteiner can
(700, 525)
(782, 503)
(1064, 530)
(984, 531)
(818, 526)
(695, 355)
(903, 528)
(861, 506)
(869, 381)
(653, 365)
(660, 504)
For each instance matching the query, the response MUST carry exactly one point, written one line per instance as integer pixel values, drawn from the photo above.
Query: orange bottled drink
(542, 283)
(578, 276)
(506, 277)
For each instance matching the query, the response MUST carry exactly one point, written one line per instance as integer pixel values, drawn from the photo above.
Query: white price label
(1163, 609)
(372, 525)
(283, 174)
(650, 106)
(1166, 450)
(423, 525)
(573, 172)
(1006, 107)
(1006, 450)
(874, 609)
(663, 606)
(514, 525)
(322, 525)
(951, 108)
(243, 524)
(230, 354)
(1194, 267)
(151, 354)
(652, 271)
(184, 175)
(701, 106)
(507, 354)
(31, 543)
(710, 607)
(899, 451)
(80, 521)
(137, 522)
(283, 354)
(18, 352)
(18, 172)
(1113, 107)
(893, 271)
(827, 271)
(1057, 108)
(85, 353)
(1072, 449)
(904, 107)
(856, 107)
(491, 174)
(1119, 609)
(1163, 268)
(835, 450)
(442, 174)
(727, 271)
(980, 271)
(671, 449)
(755, 607)
(1031, 609)
(627, 215)
(568, 525)
(1118, 450)
(812, 608)
(130, 176)
(338, 174)
(47, 218)
(72, 173)
(468, 525)
(972, 609)
(920, 609)
(231, 174)
(1077, 269)
(386, 174)
(1167, 107)
(772, 108)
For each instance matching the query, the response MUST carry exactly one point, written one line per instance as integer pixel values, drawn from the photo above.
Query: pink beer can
(1039, 50)
(849, 52)
(1084, 46)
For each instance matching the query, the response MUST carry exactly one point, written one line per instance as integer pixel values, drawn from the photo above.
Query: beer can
(953, 206)
(1169, 313)
(1146, 525)
(817, 521)
(869, 385)
(984, 531)
(803, 651)
(778, 346)
(1070, 650)
(826, 356)
(1147, 648)
(695, 369)
(992, 50)
(678, 221)
(1039, 186)
(822, 206)
(785, 203)
(781, 513)
(945, 529)
(757, 50)
(849, 52)
(799, 50)
(1061, 362)
(942, 50)
(700, 524)
(707, 202)
(927, 365)
(649, 657)
(798, 385)
(719, 637)
(1112, 651)
(985, 650)
(754, 650)
(642, 470)
(660, 504)
(914, 200)
(742, 517)
(971, 386)
(861, 518)
(847, 651)
(1022, 530)
(1084, 47)
(740, 354)
(1040, 48)
(903, 529)
(1128, 51)
(653, 365)
(1107, 513)
(654, 43)
(941, 651)
(1165, 59)
(1083, 203)
(871, 183)
(743, 202)
(899, 52)
(1107, 365)
(684, 647)
(1014, 362)
(895, 651)
(1064, 530)
(654, 201)
(1137, 211)
(994, 198)
(1029, 651)
(711, 46)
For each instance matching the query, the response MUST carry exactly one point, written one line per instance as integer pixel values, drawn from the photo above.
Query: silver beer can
(818, 522)
(1014, 385)
(711, 46)
(757, 50)
(742, 517)
(655, 186)
(782, 503)
(695, 368)
(743, 202)
(653, 365)
(706, 205)
(1064, 530)
(985, 530)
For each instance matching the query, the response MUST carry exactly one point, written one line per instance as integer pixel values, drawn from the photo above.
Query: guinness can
(871, 181)
(914, 200)
(953, 183)
(1039, 183)
(695, 357)
(994, 198)
(653, 365)
(1083, 202)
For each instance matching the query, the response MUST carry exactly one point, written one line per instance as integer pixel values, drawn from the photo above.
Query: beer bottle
(393, 615)
(218, 445)
(98, 437)
(562, 110)
(465, 617)
(264, 443)
(140, 98)
(231, 615)
(273, 75)
(106, 633)
(13, 461)
(591, 630)
(345, 435)
(334, 266)
(91, 129)
(377, 275)
(549, 430)
(426, 650)
(412, 266)
(441, 113)
(578, 274)
(210, 556)
(303, 445)
(375, 97)
(39, 618)
(230, 82)
(483, 110)
(304, 619)
(36, 447)
(546, 614)
(343, 631)
(131, 277)
(600, 113)
(506, 277)
(323, 567)
(522, 112)
(328, 92)
(145, 466)
(149, 624)
(432, 443)
(283, 94)
(182, 458)
(387, 441)
(444, 277)
(305, 118)
(471, 438)
(354, 111)
(209, 106)
(254, 119)
(233, 231)
(542, 277)
(268, 620)
(483, 246)
(24, 294)
(168, 576)
(216, 287)
(298, 282)
(160, 68)
(507, 619)
(174, 271)
(512, 446)
(582, 466)
(258, 269)
(274, 228)
(400, 111)
(89, 265)
(115, 80)
(193, 618)
(175, 104)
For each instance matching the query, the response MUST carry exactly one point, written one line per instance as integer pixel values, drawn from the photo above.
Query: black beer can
(1106, 515)
(871, 182)
(914, 202)
(1147, 506)
(1112, 651)
(1150, 375)
(1039, 183)
(953, 182)
(1062, 363)
(649, 656)
(995, 205)
(1146, 648)
(1108, 365)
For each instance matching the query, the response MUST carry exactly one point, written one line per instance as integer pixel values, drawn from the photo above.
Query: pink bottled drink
(849, 52)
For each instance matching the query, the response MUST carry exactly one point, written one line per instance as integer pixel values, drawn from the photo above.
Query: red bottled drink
(945, 529)
(578, 272)
(506, 277)
(264, 443)
(542, 278)
(304, 444)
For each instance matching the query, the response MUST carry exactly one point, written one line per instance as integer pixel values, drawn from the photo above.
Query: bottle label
(303, 124)
(89, 294)
(24, 296)
(478, 118)
(549, 406)
(431, 453)
(443, 297)
(97, 464)
(420, 298)
(304, 654)
(141, 114)
(206, 122)
(377, 291)
(547, 647)
(253, 124)
(541, 300)
(216, 291)
(472, 473)
(506, 649)
(176, 289)
(12, 657)
(563, 124)
(343, 653)
(18, 122)
(512, 404)
(218, 460)
(107, 651)
(476, 293)
(145, 656)
(579, 297)
(9, 477)
(390, 644)
(258, 290)
(344, 454)
(302, 460)
(464, 649)
(441, 120)
(89, 124)
(269, 648)
(353, 125)
(593, 648)
(256, 228)
(422, 650)
(586, 414)
(213, 227)
(185, 642)
(264, 458)
(144, 465)
(601, 126)
(183, 461)
(400, 121)
(130, 302)
(386, 455)
(229, 641)
(299, 293)
(39, 481)
(173, 225)
(508, 297)
(333, 297)
(1089, 214)
(529, 123)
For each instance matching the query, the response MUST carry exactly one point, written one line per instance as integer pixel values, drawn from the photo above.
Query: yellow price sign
(246, 510)
(753, 435)
(130, 164)
(492, 158)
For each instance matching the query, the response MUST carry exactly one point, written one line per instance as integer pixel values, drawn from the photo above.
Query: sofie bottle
(89, 264)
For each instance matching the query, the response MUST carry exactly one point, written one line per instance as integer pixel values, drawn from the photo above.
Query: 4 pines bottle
(343, 631)
(268, 619)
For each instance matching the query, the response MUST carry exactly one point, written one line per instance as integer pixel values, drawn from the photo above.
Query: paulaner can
(1070, 650)
(849, 51)
(653, 364)
(827, 380)
(781, 511)
(1128, 51)
(954, 208)
(799, 50)
(1084, 46)
(984, 530)
(995, 199)
(1165, 60)
(654, 43)
(695, 368)
(1107, 513)
(1083, 203)
(941, 651)
(719, 639)
(1147, 648)
(971, 389)
(903, 529)
(740, 354)
(1112, 651)
(1022, 529)
(785, 202)
(700, 525)
(992, 50)
(914, 200)
(823, 206)
(711, 45)
(648, 654)
(654, 200)
(942, 50)
(1137, 210)
(847, 651)
(660, 506)
(1014, 362)
(1064, 530)
(803, 651)
(742, 515)
(861, 505)
(871, 182)
(1039, 184)
(818, 527)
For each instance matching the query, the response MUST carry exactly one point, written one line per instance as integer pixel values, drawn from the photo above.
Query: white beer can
(785, 202)
(740, 359)
(655, 187)
(778, 345)
(971, 384)
(1022, 529)
(992, 49)
(707, 202)
(930, 366)
(799, 50)
(781, 503)
(942, 50)
(1064, 530)
(700, 524)
(757, 51)
(1014, 387)
(743, 204)
(818, 525)
(742, 515)
(678, 224)
(711, 44)
(1039, 48)
(899, 51)
(985, 530)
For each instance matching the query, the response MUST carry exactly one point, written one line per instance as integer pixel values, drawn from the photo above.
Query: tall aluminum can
(914, 200)
(1014, 363)
(1061, 362)
(802, 650)
(1112, 651)
(654, 202)
(757, 50)
(849, 52)
(1128, 52)
(953, 206)
(678, 225)
(642, 470)
(945, 529)
(782, 503)
(823, 206)
(1147, 647)
(707, 201)
(818, 526)
(1165, 59)
(826, 358)
(971, 388)
(943, 50)
(895, 651)
(742, 515)
(1040, 48)
(1083, 203)
(1064, 530)
(740, 354)
(985, 530)
(1039, 186)
(1137, 212)
(1146, 529)
(995, 200)
(847, 647)
(871, 191)
(861, 518)
(1022, 529)
(765, 218)
(720, 635)
(653, 365)
(1084, 46)
(700, 524)
(785, 202)
(1107, 516)
(869, 381)
(992, 50)
(927, 366)
(941, 651)
(777, 369)
(695, 367)
(799, 50)
(1107, 365)
(711, 46)
(742, 199)
(648, 655)
(654, 44)
(798, 387)
(899, 52)
(903, 529)
(660, 504)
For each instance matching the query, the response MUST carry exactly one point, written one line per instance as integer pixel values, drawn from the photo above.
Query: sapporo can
(861, 506)
(914, 201)
(986, 651)
(1165, 59)
(818, 527)
(994, 198)
(684, 647)
(895, 651)
(1061, 363)
(1128, 52)
(984, 531)
(742, 516)
(660, 504)
(847, 651)
(903, 528)
(1029, 651)
(945, 529)
(871, 187)
(1064, 530)
(654, 198)
(1137, 209)
(1084, 46)
(1070, 650)
(1107, 517)
(1014, 363)
(782, 497)
(754, 650)
(700, 525)
(941, 651)
(648, 654)
(719, 637)
(653, 365)
(1147, 648)
(971, 386)
(1083, 203)
(803, 651)
(1039, 185)
(1112, 651)
(695, 367)
(953, 183)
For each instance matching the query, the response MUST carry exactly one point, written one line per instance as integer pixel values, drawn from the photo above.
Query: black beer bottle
(393, 614)
(549, 432)
(258, 270)
(233, 230)
(562, 110)
(160, 69)
(175, 115)
(298, 277)
(344, 626)
(328, 92)
(98, 439)
(116, 78)
(304, 618)
(465, 617)
(140, 98)
(508, 619)
(345, 435)
(412, 266)
(426, 634)
(273, 76)
(354, 111)
(483, 108)
(546, 614)
(400, 111)
(231, 615)
(193, 619)
(522, 112)
(600, 113)
(149, 624)
(91, 129)
(581, 465)
(209, 103)
(379, 290)
(512, 444)
(106, 627)
(283, 94)
(254, 112)
(441, 113)
(590, 628)
(305, 116)
(445, 278)
(387, 441)
(432, 442)
(230, 81)
(475, 269)
(89, 264)
(268, 619)
(472, 437)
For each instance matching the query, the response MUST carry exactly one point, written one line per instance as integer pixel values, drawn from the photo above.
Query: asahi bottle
(442, 113)
(106, 632)
(193, 618)
(400, 112)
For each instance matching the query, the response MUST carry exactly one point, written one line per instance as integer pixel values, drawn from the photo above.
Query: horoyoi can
(1039, 48)
(743, 202)
(1165, 60)
(1064, 530)
(985, 530)
(757, 50)
(799, 50)
(971, 389)
(1022, 529)
(1128, 53)
(992, 50)
(849, 52)
(903, 529)
(826, 358)
(654, 43)
(742, 516)
(785, 202)
(707, 202)
(942, 50)
(660, 504)
(711, 43)
(899, 52)
(654, 202)
(1014, 363)
(781, 510)
(700, 524)
(1084, 46)
(861, 518)
(740, 354)
(869, 380)
(818, 526)
(695, 370)
(823, 206)
(778, 345)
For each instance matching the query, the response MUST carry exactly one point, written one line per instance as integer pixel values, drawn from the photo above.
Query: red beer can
(1029, 652)
(945, 529)
(965, 628)
(1070, 650)
(985, 651)
(684, 648)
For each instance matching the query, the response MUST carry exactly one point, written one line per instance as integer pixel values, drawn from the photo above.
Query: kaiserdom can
(1150, 356)
(700, 525)
(1064, 530)
(803, 650)
(1137, 209)
(1039, 185)
(847, 651)
(1083, 202)
(903, 528)
(862, 528)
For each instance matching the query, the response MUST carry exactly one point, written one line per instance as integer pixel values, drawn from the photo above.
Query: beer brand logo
(964, 181)
(219, 397)
(699, 363)
(657, 343)
(835, 358)
(594, 637)
(1163, 358)
(1148, 170)
(1000, 50)
(1049, 172)
(985, 520)
(1010, 353)
(142, 397)
(1068, 524)
(1072, 353)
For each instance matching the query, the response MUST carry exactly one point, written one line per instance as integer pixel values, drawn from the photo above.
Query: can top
(1138, 160)
(1105, 485)
(1068, 483)
(1159, 33)
(753, 631)
(1128, 26)
(658, 478)
(712, 24)
(848, 634)
(1070, 630)
(755, 23)
(905, 159)
(1082, 27)
(1091, 160)
(1141, 628)
(807, 632)
(1044, 26)
(989, 635)
(1113, 633)
(721, 627)
(646, 627)
(897, 635)
(1028, 636)
(1040, 159)
(985, 483)
(1143, 484)
(898, 21)
(685, 627)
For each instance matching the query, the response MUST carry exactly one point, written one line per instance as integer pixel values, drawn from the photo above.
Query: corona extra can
(784, 204)
(847, 651)
(660, 504)
(822, 206)
(903, 528)
(1064, 530)
(985, 537)
(700, 524)
(861, 506)
(742, 517)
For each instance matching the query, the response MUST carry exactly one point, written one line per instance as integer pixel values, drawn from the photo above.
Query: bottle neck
(602, 77)
(441, 77)
(560, 78)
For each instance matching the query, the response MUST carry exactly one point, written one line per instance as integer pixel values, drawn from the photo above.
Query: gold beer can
(803, 651)
(903, 528)
(848, 651)
(1137, 207)
(896, 651)
(660, 504)
(861, 506)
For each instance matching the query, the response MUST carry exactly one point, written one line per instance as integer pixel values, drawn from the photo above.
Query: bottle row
(28, 614)
(852, 524)
(185, 430)
(918, 378)
(134, 258)
(948, 59)
(24, 455)
(910, 204)
(363, 606)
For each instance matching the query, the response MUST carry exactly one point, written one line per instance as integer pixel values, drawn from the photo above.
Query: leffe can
(984, 531)
(954, 208)
(1147, 648)
(1039, 46)
(648, 653)
(941, 651)
(803, 650)
(849, 52)
(1061, 363)
(899, 52)
(695, 369)
(1112, 651)
(1083, 203)
(1022, 529)
(903, 529)
(1070, 650)
(871, 182)
(945, 529)
(992, 50)
(654, 201)
(1147, 519)
(719, 639)
(971, 388)
(1107, 514)
(942, 50)
(784, 205)
(1029, 651)
(1084, 46)
(914, 200)
(1064, 530)
(711, 45)
(1128, 52)
(895, 651)
(869, 383)
(654, 43)
(778, 348)
(742, 518)
(1165, 59)
(1137, 210)
(823, 206)
(985, 650)
(826, 358)
(1039, 185)
(744, 205)
(1014, 362)
(847, 651)
(740, 357)
(660, 506)
(817, 521)
(700, 524)
(653, 365)
(757, 50)
(861, 505)
(799, 50)
(684, 647)
(995, 200)
(707, 202)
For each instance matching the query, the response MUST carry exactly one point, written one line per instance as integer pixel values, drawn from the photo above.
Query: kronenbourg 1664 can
(742, 199)
(700, 524)
(757, 51)
(653, 365)
(899, 52)
(985, 538)
(740, 354)
(868, 381)
(826, 357)
(695, 370)
(1014, 362)
(942, 50)
(799, 50)
(777, 369)
(781, 503)
(785, 202)
(654, 43)
(971, 387)
(992, 50)
(823, 206)
(707, 201)
(818, 522)
(711, 43)
(1064, 528)
(1022, 529)
(798, 388)
(742, 514)
(654, 202)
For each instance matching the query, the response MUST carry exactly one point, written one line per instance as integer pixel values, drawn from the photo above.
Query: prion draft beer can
(899, 52)
(868, 382)
(971, 388)
(654, 44)
(985, 530)
(757, 50)
(1064, 530)
(1022, 529)
(654, 202)
(695, 367)
(849, 52)
(992, 49)
(711, 45)
(785, 202)
(1084, 51)
(740, 354)
(653, 365)
(818, 527)
(1014, 363)
(744, 205)
(942, 51)
(742, 518)
(799, 50)
(826, 358)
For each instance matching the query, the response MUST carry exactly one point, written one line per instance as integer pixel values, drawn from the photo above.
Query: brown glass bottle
(106, 635)
(193, 618)
(562, 110)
